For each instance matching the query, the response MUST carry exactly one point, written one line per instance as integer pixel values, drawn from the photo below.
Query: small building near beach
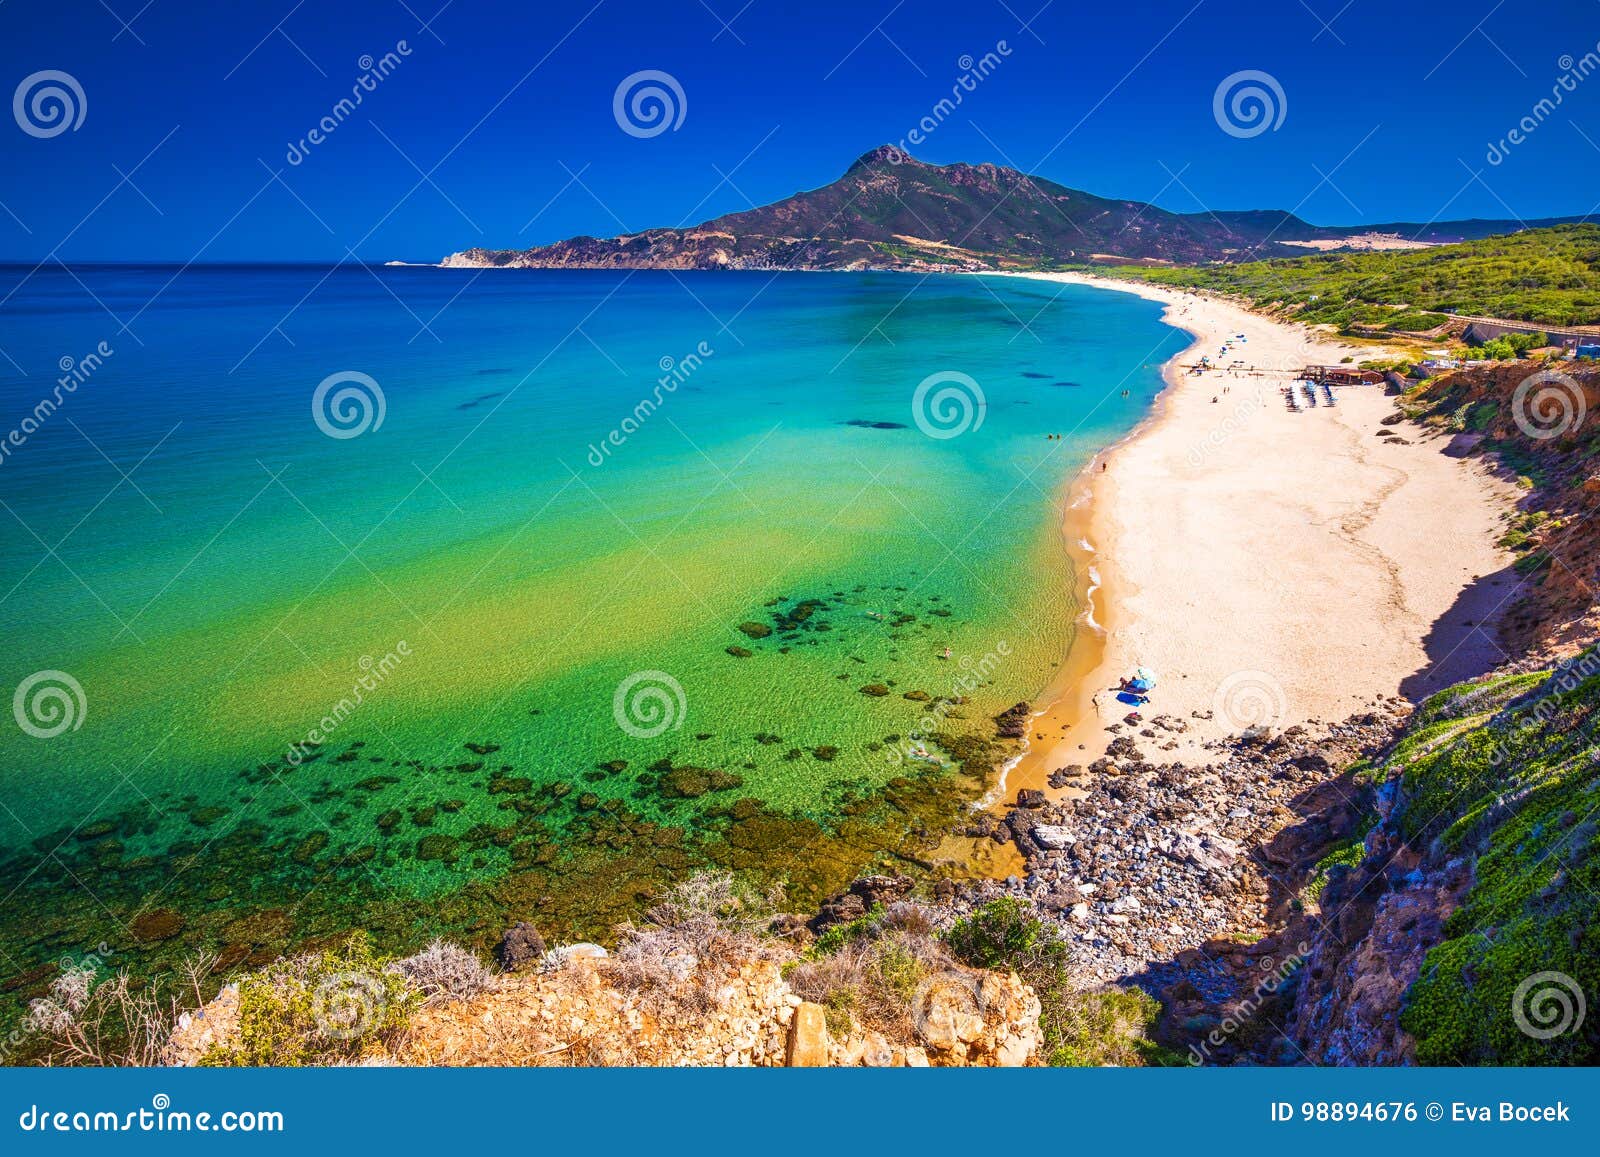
(1340, 376)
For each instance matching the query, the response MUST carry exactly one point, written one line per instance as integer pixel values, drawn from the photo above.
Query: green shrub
(1001, 934)
(1111, 1027)
(1414, 321)
(322, 1009)
(835, 938)
(1549, 276)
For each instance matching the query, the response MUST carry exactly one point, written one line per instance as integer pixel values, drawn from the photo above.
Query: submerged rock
(157, 924)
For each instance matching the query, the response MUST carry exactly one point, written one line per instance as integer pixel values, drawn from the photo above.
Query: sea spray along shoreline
(1216, 526)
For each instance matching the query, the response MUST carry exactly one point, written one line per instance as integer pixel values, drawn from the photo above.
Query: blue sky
(497, 126)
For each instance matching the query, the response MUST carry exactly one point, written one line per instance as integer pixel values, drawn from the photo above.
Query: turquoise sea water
(511, 577)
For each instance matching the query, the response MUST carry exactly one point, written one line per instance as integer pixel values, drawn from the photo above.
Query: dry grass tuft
(872, 978)
(443, 972)
(115, 1021)
(689, 941)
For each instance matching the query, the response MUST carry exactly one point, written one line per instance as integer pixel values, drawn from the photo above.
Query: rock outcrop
(583, 1010)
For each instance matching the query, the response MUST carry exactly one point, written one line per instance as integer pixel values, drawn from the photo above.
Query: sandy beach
(1272, 567)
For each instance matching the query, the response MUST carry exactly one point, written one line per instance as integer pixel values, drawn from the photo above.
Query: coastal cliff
(710, 977)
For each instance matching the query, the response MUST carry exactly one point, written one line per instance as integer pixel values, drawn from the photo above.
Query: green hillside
(1503, 772)
(1549, 276)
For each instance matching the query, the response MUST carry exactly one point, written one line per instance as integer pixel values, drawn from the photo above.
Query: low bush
(443, 972)
(92, 1020)
(323, 1009)
(1111, 1027)
(676, 956)
(870, 970)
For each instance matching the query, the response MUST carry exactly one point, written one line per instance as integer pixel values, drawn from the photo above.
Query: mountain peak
(882, 155)
(892, 211)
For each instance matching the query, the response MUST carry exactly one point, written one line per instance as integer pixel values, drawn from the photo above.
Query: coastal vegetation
(1504, 775)
(1097, 1027)
(1549, 276)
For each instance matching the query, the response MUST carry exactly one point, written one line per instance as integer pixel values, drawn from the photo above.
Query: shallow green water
(495, 569)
